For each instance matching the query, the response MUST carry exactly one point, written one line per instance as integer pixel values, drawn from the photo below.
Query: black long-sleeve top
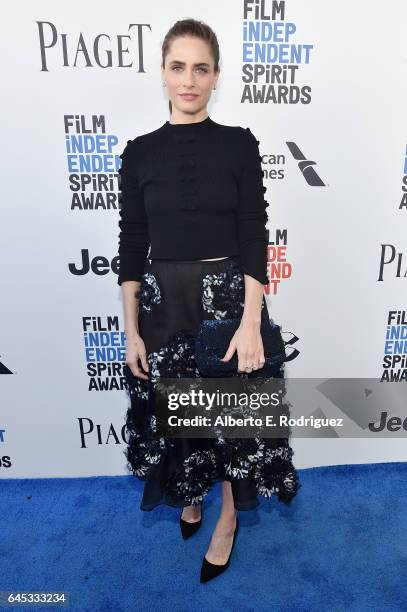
(192, 191)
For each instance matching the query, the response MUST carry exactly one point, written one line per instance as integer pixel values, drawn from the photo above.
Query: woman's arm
(252, 301)
(252, 234)
(135, 348)
(251, 211)
(130, 307)
(134, 240)
(247, 340)
(134, 243)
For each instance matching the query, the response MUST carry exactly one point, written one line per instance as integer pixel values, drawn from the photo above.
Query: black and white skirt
(174, 298)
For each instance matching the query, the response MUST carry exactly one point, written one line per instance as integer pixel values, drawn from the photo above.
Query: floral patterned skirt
(174, 298)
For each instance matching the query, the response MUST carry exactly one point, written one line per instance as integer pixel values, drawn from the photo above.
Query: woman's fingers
(135, 351)
(144, 362)
(135, 368)
(250, 361)
(243, 361)
(229, 353)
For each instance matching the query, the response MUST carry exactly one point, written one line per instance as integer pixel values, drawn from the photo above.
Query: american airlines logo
(306, 166)
(4, 369)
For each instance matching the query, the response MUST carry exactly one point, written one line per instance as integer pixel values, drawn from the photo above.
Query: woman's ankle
(227, 520)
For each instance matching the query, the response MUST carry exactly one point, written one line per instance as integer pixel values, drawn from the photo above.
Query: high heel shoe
(210, 570)
(188, 529)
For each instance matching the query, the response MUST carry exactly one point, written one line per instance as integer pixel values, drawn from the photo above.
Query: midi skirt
(174, 298)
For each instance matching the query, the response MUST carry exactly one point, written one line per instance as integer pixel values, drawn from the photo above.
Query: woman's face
(189, 69)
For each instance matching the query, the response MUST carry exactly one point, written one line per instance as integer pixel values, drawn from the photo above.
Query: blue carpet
(342, 545)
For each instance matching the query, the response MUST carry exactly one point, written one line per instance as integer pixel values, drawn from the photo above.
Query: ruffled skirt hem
(153, 496)
(181, 472)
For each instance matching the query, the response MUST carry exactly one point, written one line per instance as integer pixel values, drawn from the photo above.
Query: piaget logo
(99, 50)
(392, 262)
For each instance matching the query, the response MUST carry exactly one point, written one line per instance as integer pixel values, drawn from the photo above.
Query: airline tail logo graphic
(290, 351)
(306, 166)
(4, 369)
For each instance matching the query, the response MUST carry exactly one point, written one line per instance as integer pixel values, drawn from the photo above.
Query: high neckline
(189, 126)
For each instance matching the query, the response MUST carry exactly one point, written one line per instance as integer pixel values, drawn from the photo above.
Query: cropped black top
(192, 191)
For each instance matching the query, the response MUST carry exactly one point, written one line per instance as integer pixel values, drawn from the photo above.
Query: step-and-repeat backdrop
(321, 85)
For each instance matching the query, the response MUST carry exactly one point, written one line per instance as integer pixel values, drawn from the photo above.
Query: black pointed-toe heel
(188, 529)
(210, 570)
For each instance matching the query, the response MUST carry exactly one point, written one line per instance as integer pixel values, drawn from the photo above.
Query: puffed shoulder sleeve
(134, 238)
(251, 213)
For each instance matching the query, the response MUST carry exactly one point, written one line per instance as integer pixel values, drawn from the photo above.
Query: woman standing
(192, 193)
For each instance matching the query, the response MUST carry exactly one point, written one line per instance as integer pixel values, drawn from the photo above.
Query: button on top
(187, 169)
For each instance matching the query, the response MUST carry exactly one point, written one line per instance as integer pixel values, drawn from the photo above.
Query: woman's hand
(249, 344)
(135, 350)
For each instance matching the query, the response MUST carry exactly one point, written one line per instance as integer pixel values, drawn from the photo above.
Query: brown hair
(191, 27)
